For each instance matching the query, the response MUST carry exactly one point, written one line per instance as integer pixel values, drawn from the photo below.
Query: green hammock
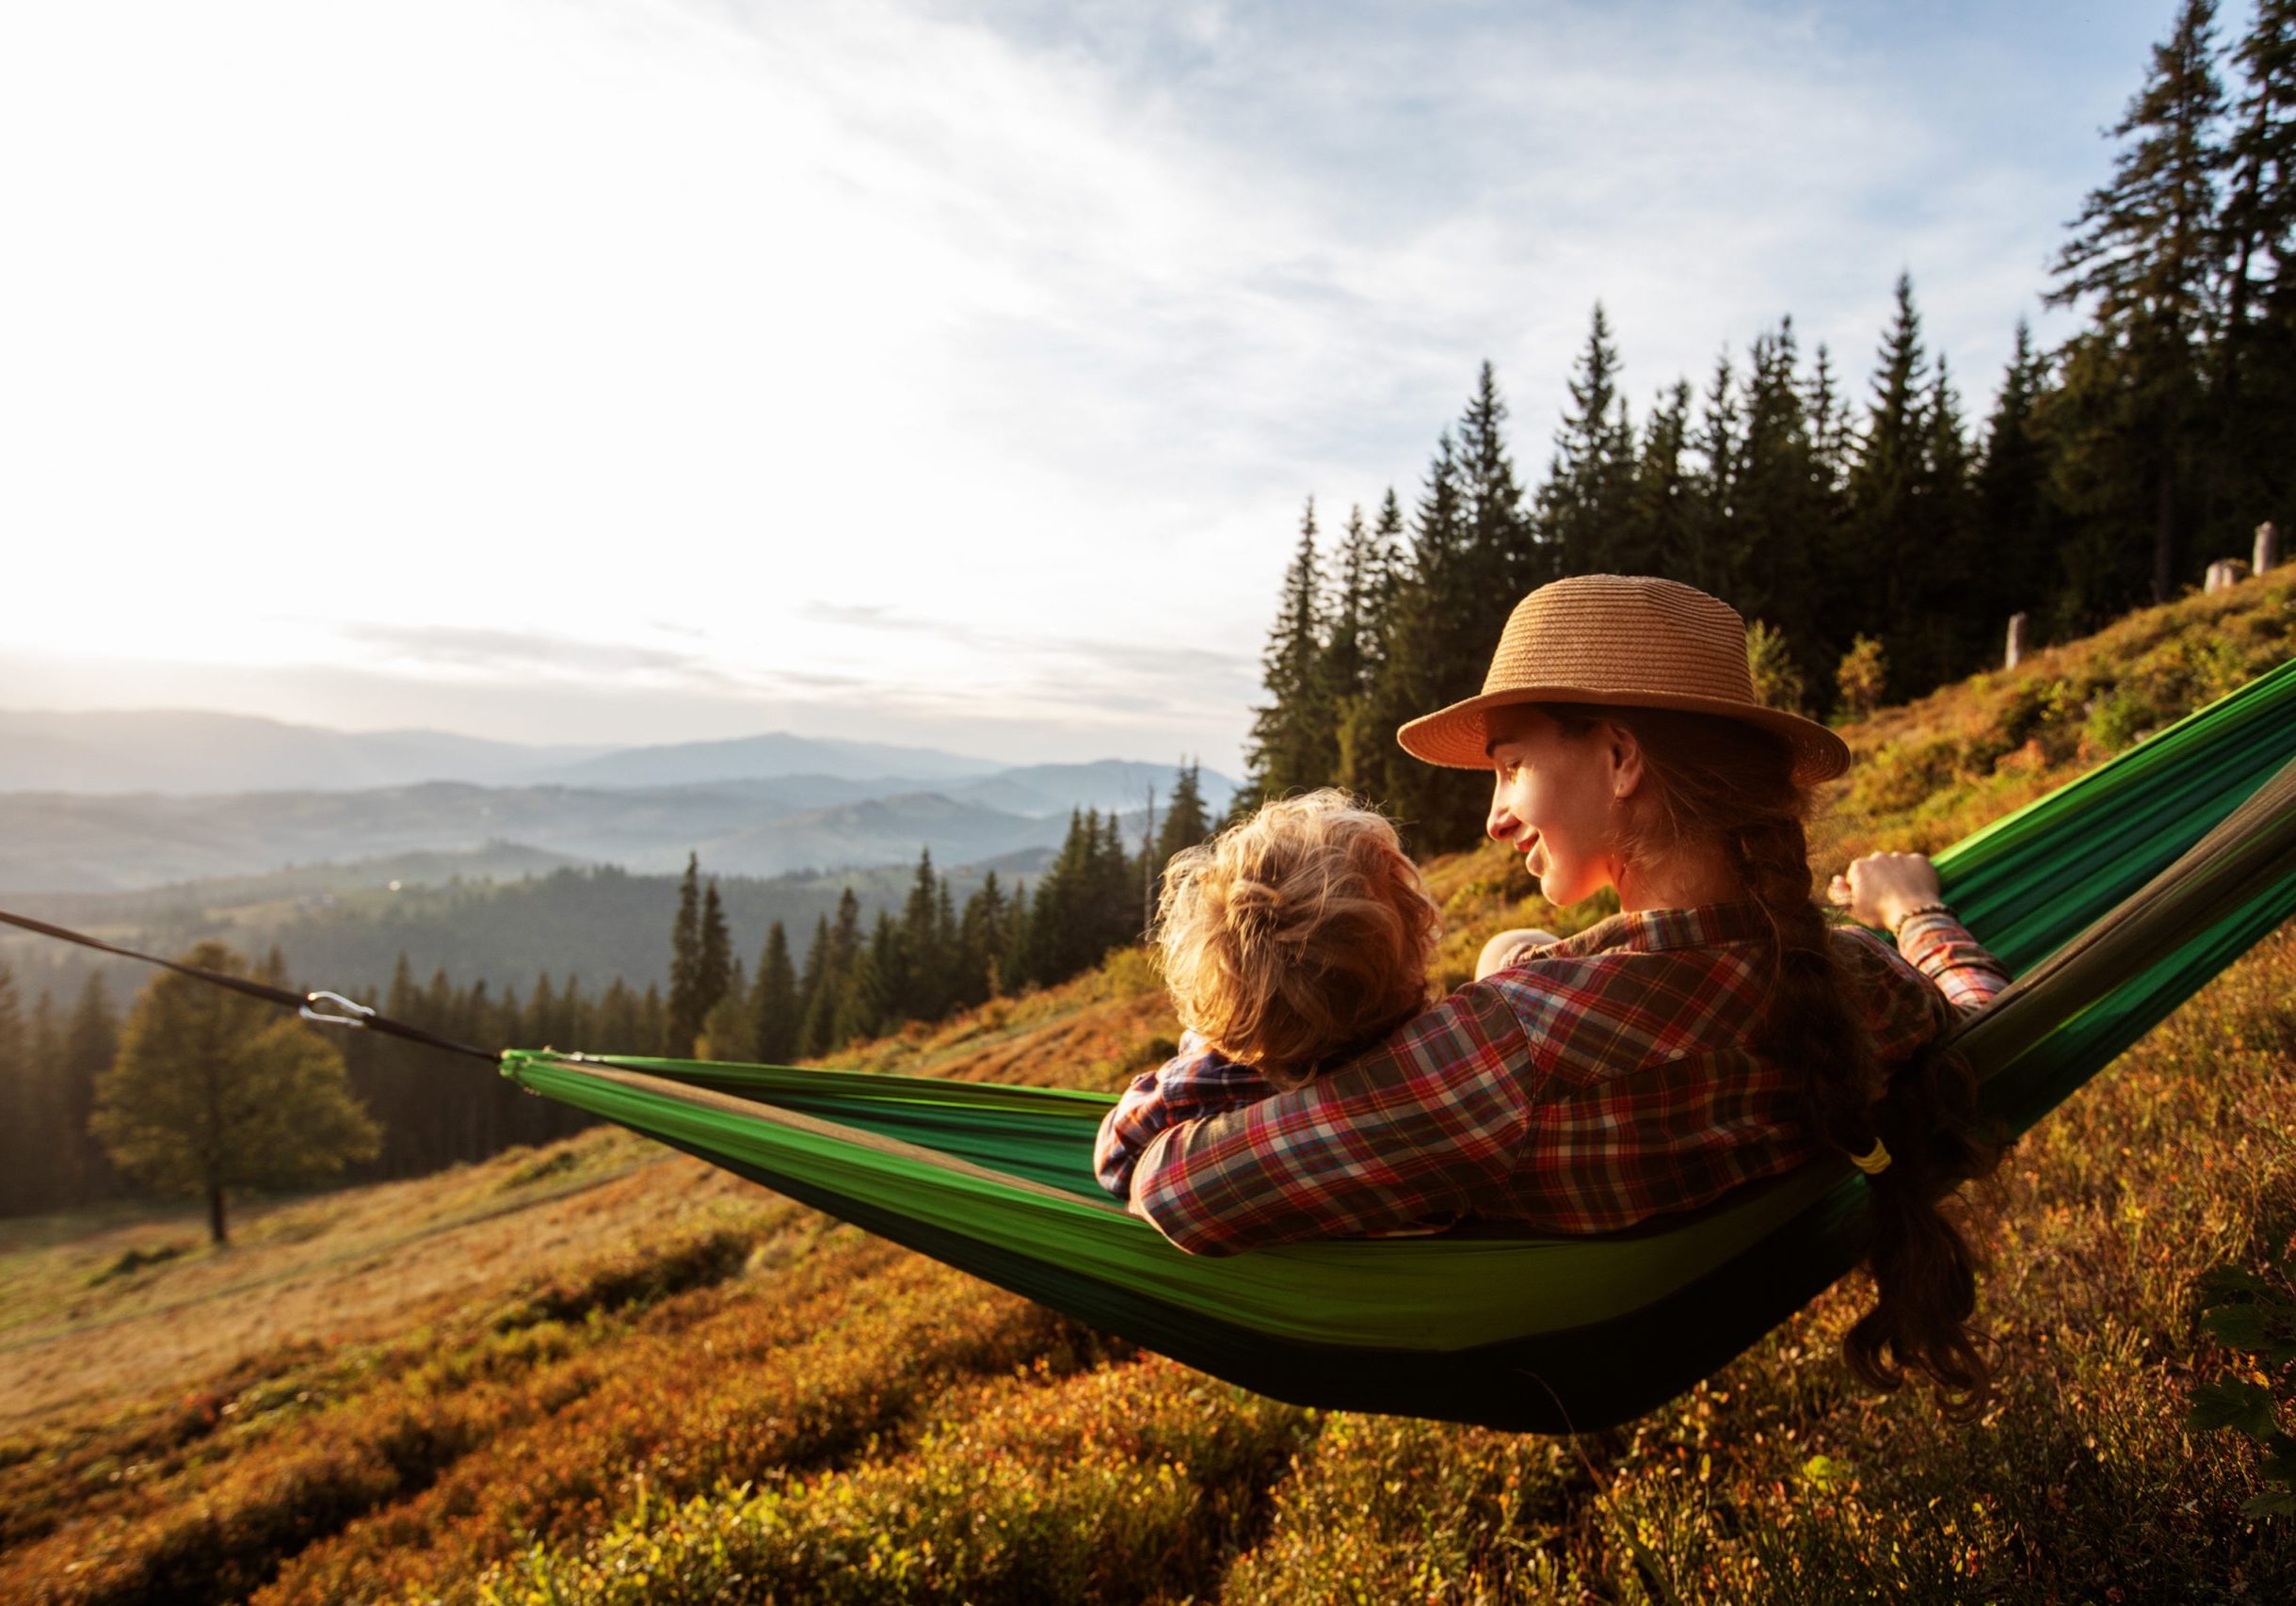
(2112, 900)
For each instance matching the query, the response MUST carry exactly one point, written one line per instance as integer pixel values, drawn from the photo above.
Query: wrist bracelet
(1909, 914)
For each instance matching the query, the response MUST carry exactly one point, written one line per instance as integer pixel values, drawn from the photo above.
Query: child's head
(1300, 932)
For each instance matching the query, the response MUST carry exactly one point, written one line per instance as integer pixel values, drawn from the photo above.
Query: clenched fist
(1879, 889)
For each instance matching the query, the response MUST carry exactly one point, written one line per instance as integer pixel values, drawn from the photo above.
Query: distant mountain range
(186, 751)
(723, 801)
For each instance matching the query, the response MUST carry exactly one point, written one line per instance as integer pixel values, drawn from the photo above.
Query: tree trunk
(2164, 537)
(215, 1216)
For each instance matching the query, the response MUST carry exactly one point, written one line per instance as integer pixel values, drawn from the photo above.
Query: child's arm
(1195, 1082)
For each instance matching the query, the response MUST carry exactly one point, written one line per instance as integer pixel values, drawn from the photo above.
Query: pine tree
(1185, 821)
(1879, 567)
(1345, 663)
(773, 1018)
(1943, 640)
(982, 934)
(686, 1005)
(1587, 503)
(2254, 404)
(815, 1003)
(1773, 571)
(2012, 488)
(1719, 442)
(2142, 256)
(918, 987)
(92, 1041)
(20, 1139)
(1428, 661)
(1506, 554)
(1665, 495)
(865, 1008)
(1295, 743)
(714, 967)
(211, 1091)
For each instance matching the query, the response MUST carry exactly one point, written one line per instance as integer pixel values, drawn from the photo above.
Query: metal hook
(357, 1019)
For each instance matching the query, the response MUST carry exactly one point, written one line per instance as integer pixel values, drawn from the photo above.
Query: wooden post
(2224, 573)
(2017, 624)
(2267, 547)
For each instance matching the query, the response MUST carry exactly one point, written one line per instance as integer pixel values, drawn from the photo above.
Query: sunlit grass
(595, 1373)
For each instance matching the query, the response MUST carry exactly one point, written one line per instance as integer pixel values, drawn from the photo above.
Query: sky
(622, 371)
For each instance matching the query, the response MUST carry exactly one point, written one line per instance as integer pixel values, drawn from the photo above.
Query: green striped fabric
(2111, 899)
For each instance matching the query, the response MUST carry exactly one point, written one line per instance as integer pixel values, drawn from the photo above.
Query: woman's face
(1555, 799)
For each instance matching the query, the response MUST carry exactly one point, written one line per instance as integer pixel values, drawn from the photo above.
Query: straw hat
(1630, 640)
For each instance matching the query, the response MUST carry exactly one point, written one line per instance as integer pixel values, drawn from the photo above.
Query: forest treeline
(1880, 529)
(853, 982)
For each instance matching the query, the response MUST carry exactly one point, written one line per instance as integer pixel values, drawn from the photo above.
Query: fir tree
(2011, 486)
(774, 1013)
(686, 1005)
(1587, 503)
(213, 1091)
(20, 1137)
(2254, 405)
(815, 1003)
(1665, 495)
(1507, 556)
(1719, 442)
(1428, 660)
(2142, 256)
(1185, 821)
(983, 935)
(1889, 480)
(1772, 569)
(92, 1041)
(714, 963)
(1294, 741)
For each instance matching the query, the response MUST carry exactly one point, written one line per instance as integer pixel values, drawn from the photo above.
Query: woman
(1714, 1032)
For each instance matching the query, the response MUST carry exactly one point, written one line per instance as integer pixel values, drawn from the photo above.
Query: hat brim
(1458, 737)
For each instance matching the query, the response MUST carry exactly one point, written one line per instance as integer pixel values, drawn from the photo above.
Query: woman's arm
(1195, 1082)
(1885, 889)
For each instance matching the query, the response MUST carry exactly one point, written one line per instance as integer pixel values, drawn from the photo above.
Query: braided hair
(1724, 787)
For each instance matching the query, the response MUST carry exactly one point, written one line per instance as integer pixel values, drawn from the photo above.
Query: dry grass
(339, 1267)
(595, 1373)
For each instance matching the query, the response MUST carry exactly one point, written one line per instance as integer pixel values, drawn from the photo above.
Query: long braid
(1722, 784)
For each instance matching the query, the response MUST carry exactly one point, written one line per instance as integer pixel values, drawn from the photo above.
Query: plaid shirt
(1590, 1084)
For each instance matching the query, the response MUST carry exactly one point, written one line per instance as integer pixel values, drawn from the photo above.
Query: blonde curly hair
(1301, 932)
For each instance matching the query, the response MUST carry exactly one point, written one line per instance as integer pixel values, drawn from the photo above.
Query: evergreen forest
(852, 981)
(1877, 539)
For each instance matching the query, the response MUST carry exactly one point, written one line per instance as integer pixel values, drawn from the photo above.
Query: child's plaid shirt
(1592, 1082)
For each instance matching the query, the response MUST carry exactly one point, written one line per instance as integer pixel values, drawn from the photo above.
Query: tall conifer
(1295, 743)
(2143, 258)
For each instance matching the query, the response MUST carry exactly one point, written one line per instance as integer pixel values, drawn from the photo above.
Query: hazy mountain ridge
(182, 750)
(74, 843)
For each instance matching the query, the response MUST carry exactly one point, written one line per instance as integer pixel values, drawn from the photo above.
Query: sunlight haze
(630, 370)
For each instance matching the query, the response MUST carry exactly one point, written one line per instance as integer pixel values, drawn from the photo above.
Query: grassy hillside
(599, 1372)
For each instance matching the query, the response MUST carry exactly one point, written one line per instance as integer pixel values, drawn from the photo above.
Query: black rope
(304, 1004)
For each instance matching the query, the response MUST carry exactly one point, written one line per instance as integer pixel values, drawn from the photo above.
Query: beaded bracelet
(1909, 914)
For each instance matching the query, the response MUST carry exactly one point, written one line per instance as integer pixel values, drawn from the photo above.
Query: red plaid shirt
(1592, 1082)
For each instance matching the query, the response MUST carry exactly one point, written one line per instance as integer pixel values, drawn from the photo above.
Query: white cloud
(712, 336)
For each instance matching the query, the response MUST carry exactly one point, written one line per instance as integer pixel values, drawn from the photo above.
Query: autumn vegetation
(594, 1370)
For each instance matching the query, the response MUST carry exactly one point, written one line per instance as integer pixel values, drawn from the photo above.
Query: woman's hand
(1878, 889)
(1502, 948)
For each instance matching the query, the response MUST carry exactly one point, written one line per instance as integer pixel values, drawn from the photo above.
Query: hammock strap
(319, 1006)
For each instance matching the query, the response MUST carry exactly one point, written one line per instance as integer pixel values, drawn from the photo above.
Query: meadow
(600, 1371)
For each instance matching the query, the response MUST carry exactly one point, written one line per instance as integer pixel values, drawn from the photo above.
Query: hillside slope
(599, 1373)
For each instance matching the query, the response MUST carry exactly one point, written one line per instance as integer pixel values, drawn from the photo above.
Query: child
(1290, 942)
